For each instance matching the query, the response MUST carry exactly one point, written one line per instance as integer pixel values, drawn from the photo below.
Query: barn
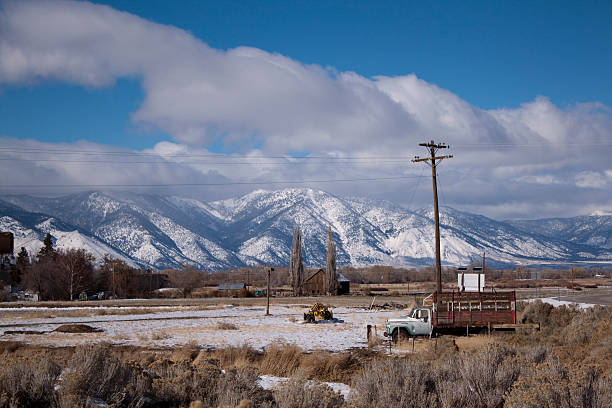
(315, 284)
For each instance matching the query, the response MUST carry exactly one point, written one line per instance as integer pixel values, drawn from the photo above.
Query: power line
(309, 157)
(190, 155)
(528, 145)
(212, 163)
(416, 187)
(229, 183)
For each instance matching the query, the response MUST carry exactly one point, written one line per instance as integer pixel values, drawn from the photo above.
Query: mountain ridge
(168, 231)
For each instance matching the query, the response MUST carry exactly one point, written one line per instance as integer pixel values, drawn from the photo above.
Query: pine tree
(47, 251)
(331, 279)
(296, 266)
(22, 262)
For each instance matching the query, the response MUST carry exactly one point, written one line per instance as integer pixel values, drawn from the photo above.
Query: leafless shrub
(240, 385)
(536, 354)
(553, 385)
(298, 393)
(479, 380)
(223, 325)
(537, 312)
(95, 372)
(27, 383)
(393, 383)
(584, 325)
(179, 385)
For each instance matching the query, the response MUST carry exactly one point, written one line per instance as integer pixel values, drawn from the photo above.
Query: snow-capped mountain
(167, 231)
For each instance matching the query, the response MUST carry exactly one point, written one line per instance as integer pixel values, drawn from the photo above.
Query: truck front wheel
(400, 335)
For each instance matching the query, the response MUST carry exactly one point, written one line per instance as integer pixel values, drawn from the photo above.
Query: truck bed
(472, 309)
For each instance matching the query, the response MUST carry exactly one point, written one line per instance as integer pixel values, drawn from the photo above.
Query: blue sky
(334, 78)
(492, 54)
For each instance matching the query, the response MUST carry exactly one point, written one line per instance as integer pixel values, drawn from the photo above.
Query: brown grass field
(568, 363)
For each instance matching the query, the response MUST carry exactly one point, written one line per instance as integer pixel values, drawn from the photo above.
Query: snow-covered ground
(556, 303)
(170, 328)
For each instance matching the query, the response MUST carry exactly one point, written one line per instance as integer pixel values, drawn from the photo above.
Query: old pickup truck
(456, 311)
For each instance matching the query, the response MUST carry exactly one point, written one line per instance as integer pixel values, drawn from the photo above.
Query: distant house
(228, 286)
(344, 284)
(315, 284)
(21, 294)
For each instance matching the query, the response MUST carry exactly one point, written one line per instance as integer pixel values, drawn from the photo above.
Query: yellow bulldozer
(317, 312)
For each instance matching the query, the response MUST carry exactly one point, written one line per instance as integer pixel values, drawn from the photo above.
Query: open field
(226, 350)
(201, 326)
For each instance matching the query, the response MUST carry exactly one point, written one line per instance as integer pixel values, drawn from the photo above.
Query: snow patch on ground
(556, 303)
(270, 382)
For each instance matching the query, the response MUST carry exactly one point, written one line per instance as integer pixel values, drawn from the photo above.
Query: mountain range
(169, 231)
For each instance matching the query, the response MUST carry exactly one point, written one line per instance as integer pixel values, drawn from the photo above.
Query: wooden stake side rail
(461, 309)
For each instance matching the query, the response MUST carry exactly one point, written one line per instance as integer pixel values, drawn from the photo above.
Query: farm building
(315, 284)
(232, 288)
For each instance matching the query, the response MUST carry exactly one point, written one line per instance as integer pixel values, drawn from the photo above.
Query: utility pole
(113, 274)
(269, 270)
(433, 161)
(484, 257)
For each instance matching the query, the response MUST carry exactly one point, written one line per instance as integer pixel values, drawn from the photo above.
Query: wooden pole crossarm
(421, 159)
(432, 158)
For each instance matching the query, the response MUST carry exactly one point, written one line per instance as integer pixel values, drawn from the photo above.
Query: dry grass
(281, 360)
(235, 356)
(327, 366)
(568, 363)
(160, 335)
(26, 313)
(223, 325)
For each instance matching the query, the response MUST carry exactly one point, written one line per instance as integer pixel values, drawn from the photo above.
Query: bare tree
(331, 281)
(119, 278)
(187, 278)
(39, 278)
(74, 273)
(296, 266)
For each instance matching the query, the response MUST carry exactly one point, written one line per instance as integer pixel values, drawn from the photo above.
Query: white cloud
(249, 97)
(592, 179)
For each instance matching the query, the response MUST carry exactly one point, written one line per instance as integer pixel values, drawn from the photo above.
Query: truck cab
(417, 323)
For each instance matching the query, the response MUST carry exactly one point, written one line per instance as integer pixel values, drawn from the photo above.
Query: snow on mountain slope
(32, 239)
(168, 231)
(593, 230)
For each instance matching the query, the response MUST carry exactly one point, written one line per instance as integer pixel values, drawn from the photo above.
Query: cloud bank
(536, 160)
